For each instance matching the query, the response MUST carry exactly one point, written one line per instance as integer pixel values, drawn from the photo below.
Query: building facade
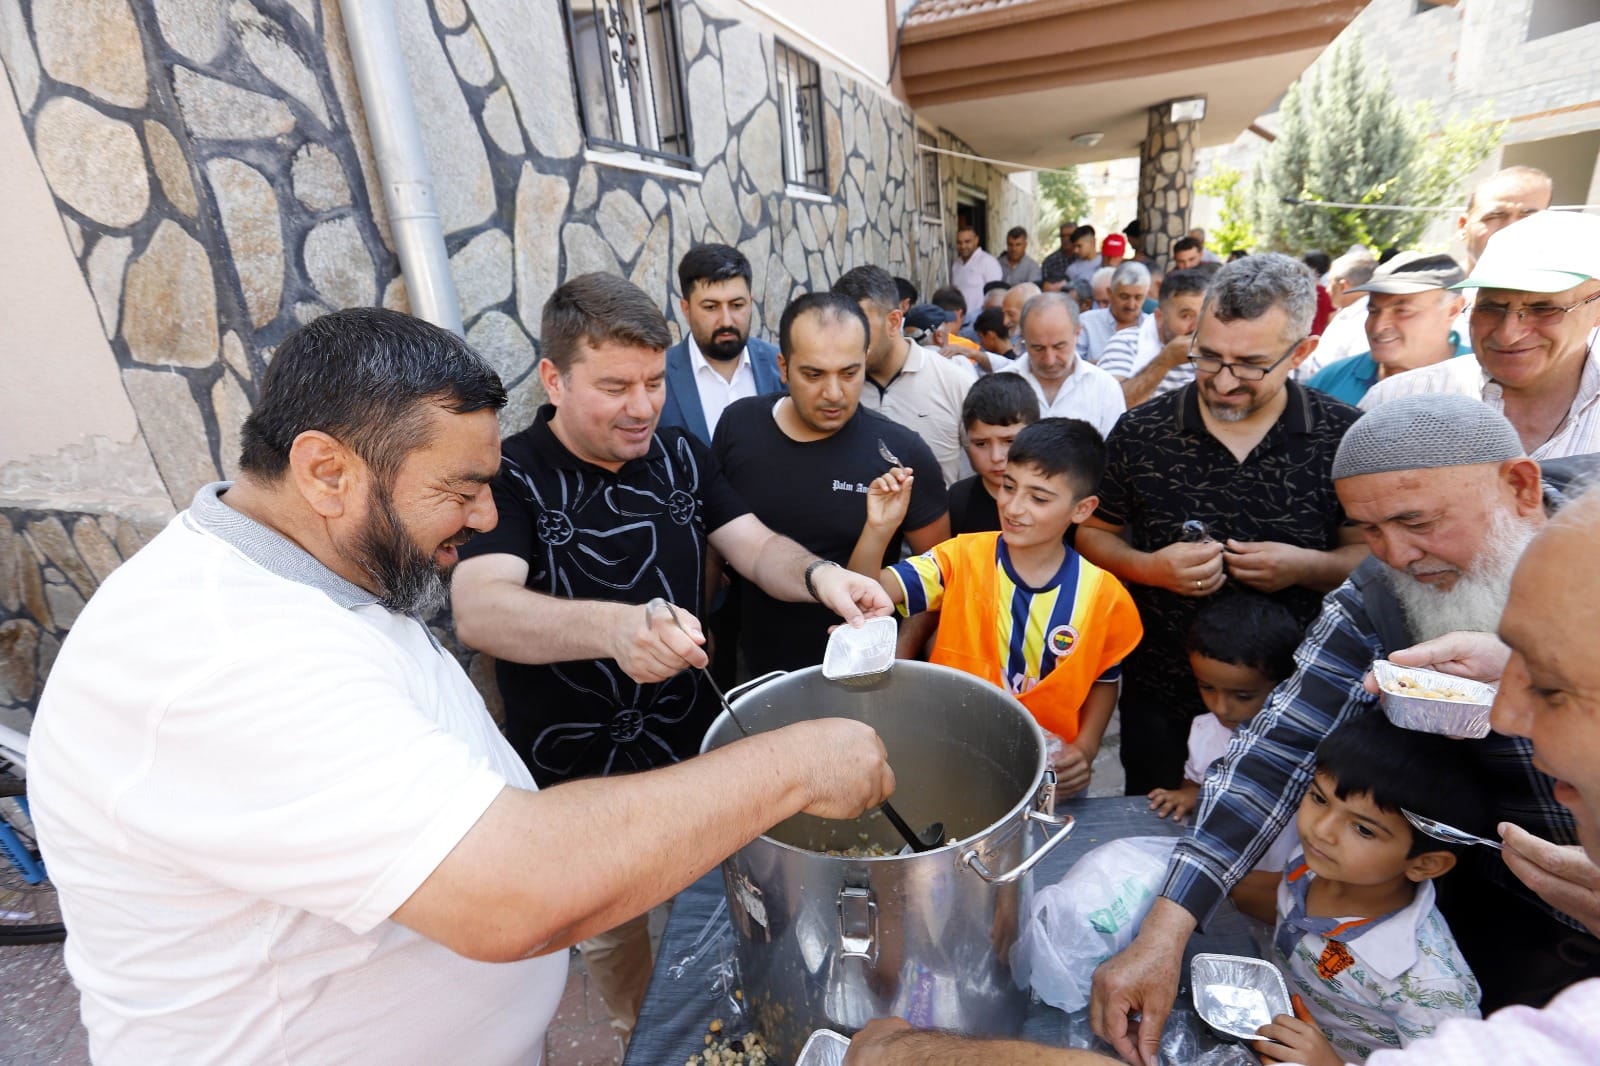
(189, 180)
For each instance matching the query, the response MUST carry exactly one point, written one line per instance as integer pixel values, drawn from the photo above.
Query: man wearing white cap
(1537, 302)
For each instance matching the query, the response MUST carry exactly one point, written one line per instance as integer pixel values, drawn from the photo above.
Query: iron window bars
(629, 72)
(805, 160)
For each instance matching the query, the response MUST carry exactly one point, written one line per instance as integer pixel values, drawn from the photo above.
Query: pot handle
(1065, 824)
(755, 682)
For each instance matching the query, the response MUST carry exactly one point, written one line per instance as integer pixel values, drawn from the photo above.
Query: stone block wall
(211, 167)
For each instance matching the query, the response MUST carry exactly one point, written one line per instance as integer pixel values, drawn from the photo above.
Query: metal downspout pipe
(380, 70)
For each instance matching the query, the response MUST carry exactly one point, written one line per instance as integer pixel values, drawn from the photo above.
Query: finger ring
(1199, 584)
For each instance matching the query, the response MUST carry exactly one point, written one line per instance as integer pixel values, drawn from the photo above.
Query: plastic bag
(1088, 916)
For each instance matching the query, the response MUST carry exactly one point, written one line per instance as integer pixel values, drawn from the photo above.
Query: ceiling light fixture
(1088, 140)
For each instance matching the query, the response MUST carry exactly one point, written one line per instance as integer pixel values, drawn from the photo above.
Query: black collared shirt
(628, 536)
(1164, 468)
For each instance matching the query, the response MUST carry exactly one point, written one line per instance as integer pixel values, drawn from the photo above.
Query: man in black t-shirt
(802, 463)
(600, 515)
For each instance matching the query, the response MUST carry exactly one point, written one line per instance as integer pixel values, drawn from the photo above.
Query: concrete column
(1166, 181)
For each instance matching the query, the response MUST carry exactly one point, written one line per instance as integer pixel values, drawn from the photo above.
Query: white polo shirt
(1578, 433)
(240, 768)
(717, 392)
(926, 397)
(1088, 393)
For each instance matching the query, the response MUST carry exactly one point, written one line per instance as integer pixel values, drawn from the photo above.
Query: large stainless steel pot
(828, 941)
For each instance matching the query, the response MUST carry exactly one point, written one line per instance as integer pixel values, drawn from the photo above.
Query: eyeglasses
(1538, 314)
(1211, 364)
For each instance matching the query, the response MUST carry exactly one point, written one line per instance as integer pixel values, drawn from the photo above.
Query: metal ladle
(931, 837)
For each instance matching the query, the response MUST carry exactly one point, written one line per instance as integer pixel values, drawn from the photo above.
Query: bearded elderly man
(1532, 324)
(1442, 492)
(282, 824)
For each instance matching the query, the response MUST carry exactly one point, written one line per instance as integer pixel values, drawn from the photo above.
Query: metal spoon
(885, 454)
(1447, 833)
(931, 837)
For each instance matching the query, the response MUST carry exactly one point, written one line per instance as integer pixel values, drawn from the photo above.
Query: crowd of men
(690, 505)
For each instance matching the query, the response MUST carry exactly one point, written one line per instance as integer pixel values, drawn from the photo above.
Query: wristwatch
(811, 571)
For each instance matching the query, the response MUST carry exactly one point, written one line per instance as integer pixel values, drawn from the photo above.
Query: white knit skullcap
(1423, 433)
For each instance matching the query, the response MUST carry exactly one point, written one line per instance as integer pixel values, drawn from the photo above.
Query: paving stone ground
(39, 1006)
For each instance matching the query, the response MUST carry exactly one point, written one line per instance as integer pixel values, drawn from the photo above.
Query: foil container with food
(1236, 995)
(1431, 702)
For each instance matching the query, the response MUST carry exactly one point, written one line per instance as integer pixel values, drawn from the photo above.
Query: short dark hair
(991, 320)
(990, 286)
(1182, 282)
(1247, 629)
(907, 290)
(869, 283)
(1000, 400)
(597, 308)
(832, 306)
(1402, 769)
(1014, 232)
(1063, 447)
(949, 298)
(710, 263)
(1082, 232)
(1318, 261)
(365, 376)
(1187, 244)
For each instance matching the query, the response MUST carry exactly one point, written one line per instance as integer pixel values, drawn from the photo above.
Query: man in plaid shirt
(1441, 489)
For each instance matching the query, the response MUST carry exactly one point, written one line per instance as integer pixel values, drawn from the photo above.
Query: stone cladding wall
(213, 174)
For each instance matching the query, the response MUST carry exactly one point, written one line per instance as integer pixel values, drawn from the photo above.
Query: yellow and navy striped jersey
(1037, 627)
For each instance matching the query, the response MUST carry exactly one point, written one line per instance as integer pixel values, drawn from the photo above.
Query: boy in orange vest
(1019, 607)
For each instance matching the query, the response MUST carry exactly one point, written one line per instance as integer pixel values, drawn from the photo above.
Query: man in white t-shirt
(1066, 385)
(282, 824)
(972, 269)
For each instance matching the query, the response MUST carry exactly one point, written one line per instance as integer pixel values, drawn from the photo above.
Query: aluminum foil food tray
(1236, 994)
(1465, 717)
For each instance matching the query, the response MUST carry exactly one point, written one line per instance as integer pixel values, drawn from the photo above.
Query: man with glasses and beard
(1224, 480)
(282, 824)
(1441, 490)
(1532, 321)
(718, 362)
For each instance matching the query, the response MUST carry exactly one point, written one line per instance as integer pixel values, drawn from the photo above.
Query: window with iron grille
(805, 162)
(928, 177)
(629, 71)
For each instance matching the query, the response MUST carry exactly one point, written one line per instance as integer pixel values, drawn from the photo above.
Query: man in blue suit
(718, 362)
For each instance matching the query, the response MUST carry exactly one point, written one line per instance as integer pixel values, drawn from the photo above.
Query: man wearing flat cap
(1442, 492)
(1537, 303)
(1411, 313)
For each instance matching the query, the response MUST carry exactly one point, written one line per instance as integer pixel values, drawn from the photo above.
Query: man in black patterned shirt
(1244, 452)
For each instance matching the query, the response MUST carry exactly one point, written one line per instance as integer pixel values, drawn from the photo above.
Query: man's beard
(1475, 602)
(722, 346)
(410, 582)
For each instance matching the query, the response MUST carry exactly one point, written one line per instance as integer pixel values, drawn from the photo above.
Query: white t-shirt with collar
(926, 397)
(1088, 393)
(717, 392)
(1389, 986)
(1578, 433)
(240, 768)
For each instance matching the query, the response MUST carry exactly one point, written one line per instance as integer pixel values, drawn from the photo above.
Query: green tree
(1232, 231)
(1061, 197)
(1346, 139)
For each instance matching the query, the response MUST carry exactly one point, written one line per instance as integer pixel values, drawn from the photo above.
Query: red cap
(1115, 245)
